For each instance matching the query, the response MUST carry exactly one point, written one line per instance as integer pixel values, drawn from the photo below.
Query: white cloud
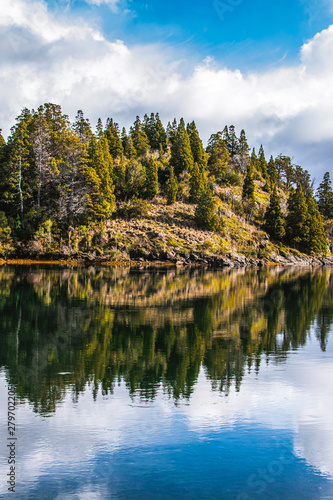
(46, 59)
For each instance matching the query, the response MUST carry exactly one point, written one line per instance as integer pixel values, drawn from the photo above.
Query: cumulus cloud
(70, 63)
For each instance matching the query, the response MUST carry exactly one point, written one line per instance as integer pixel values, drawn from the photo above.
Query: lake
(166, 384)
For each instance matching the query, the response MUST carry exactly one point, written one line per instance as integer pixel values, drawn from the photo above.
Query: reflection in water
(67, 328)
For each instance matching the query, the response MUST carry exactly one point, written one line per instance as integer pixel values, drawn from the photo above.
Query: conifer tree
(139, 137)
(274, 220)
(99, 128)
(226, 137)
(248, 185)
(171, 131)
(316, 241)
(181, 155)
(112, 135)
(82, 127)
(171, 188)
(297, 219)
(205, 213)
(41, 148)
(197, 148)
(233, 145)
(325, 197)
(271, 170)
(263, 165)
(98, 175)
(243, 147)
(151, 179)
(218, 159)
(197, 183)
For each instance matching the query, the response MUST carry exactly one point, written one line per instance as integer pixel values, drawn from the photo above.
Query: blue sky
(247, 34)
(260, 65)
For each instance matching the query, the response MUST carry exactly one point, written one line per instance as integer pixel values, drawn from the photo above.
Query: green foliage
(133, 209)
(297, 220)
(135, 179)
(218, 160)
(139, 137)
(171, 188)
(205, 213)
(6, 242)
(112, 135)
(248, 185)
(274, 220)
(151, 188)
(181, 155)
(197, 183)
(325, 197)
(316, 241)
(197, 148)
(272, 172)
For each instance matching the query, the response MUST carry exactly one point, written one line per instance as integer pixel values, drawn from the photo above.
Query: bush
(133, 209)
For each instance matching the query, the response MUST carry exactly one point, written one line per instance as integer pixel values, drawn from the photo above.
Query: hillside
(154, 195)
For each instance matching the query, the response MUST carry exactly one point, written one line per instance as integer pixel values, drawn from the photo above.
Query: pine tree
(181, 155)
(197, 148)
(171, 131)
(218, 160)
(248, 185)
(271, 170)
(316, 241)
(297, 219)
(263, 165)
(233, 146)
(82, 127)
(112, 135)
(197, 183)
(325, 197)
(98, 173)
(99, 128)
(171, 188)
(151, 189)
(205, 215)
(274, 220)
(243, 146)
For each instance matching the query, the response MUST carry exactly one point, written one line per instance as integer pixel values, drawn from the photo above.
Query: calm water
(168, 385)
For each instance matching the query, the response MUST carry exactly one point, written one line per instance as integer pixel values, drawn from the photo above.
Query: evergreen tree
(325, 197)
(226, 137)
(197, 183)
(218, 160)
(271, 170)
(181, 155)
(99, 128)
(197, 148)
(151, 179)
(233, 146)
(316, 241)
(139, 137)
(19, 179)
(98, 173)
(274, 221)
(171, 188)
(297, 219)
(263, 164)
(171, 131)
(82, 127)
(302, 177)
(243, 147)
(112, 135)
(205, 215)
(248, 185)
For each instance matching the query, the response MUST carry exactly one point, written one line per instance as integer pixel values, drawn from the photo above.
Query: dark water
(168, 385)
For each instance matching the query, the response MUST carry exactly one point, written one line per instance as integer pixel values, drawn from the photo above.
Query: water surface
(168, 384)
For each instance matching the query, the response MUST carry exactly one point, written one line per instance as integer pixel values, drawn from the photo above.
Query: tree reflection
(68, 328)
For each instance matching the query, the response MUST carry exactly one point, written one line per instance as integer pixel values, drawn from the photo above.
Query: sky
(264, 66)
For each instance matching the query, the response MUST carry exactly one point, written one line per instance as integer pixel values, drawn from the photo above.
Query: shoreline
(202, 261)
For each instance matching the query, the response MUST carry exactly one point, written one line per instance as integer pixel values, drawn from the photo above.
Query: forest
(61, 182)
